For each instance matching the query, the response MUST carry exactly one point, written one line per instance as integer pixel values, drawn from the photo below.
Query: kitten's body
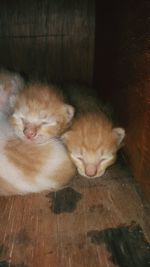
(10, 84)
(92, 140)
(32, 159)
(29, 168)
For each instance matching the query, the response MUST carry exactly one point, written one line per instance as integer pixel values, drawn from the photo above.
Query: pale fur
(23, 176)
(5, 128)
(40, 113)
(30, 168)
(92, 141)
(10, 84)
(40, 163)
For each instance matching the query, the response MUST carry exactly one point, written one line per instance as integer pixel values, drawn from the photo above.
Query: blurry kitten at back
(40, 113)
(92, 141)
(10, 84)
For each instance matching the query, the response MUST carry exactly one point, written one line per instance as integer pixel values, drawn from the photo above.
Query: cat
(32, 158)
(40, 113)
(10, 84)
(92, 140)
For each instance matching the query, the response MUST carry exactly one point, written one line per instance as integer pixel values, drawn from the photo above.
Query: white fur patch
(58, 157)
(43, 181)
(12, 175)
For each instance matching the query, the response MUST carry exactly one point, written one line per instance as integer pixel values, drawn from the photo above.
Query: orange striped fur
(32, 159)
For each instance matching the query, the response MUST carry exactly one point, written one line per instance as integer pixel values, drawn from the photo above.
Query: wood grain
(33, 234)
(51, 40)
(122, 63)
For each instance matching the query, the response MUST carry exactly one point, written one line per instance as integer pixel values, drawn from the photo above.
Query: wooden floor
(95, 223)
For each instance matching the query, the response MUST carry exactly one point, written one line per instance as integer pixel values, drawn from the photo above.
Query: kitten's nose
(29, 132)
(90, 170)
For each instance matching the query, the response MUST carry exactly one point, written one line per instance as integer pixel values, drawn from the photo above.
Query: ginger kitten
(10, 84)
(32, 159)
(40, 113)
(92, 141)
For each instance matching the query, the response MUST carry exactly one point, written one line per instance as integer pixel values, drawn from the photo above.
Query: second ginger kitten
(92, 141)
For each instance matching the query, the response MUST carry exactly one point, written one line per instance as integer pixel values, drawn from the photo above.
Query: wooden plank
(49, 39)
(57, 229)
(122, 63)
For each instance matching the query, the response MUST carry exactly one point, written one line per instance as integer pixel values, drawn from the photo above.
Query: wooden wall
(48, 38)
(122, 75)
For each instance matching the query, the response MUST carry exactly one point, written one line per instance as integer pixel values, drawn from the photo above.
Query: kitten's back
(86, 100)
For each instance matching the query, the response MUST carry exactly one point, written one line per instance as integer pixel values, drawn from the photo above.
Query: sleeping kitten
(10, 84)
(36, 161)
(92, 141)
(40, 113)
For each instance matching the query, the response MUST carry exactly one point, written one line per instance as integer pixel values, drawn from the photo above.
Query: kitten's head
(93, 143)
(40, 113)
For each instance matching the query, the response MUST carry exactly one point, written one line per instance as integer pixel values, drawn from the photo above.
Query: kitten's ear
(119, 134)
(69, 112)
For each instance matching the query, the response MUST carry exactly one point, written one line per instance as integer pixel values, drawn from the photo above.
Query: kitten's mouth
(39, 140)
(34, 140)
(29, 141)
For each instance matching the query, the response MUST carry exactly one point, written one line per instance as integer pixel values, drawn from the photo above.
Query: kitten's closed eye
(44, 122)
(37, 120)
(49, 122)
(80, 158)
(102, 160)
